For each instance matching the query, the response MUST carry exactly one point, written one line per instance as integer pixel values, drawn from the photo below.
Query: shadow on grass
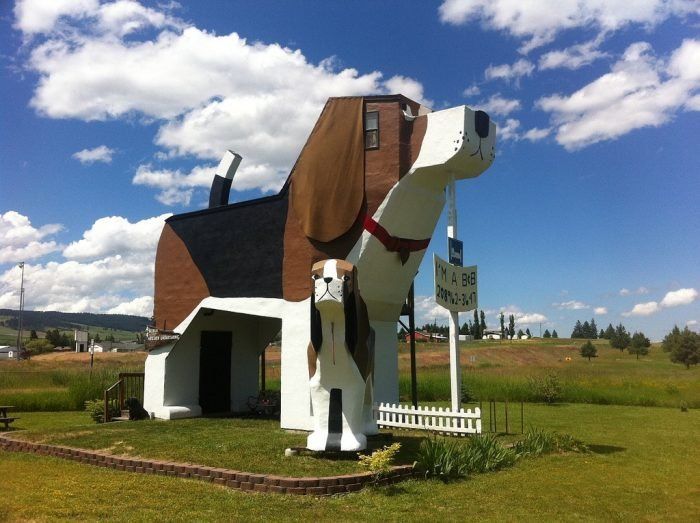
(605, 449)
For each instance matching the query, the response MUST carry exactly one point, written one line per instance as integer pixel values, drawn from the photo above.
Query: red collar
(404, 246)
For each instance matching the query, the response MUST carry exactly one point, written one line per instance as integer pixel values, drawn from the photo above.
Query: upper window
(372, 130)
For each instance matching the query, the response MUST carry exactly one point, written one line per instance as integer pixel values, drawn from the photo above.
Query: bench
(7, 422)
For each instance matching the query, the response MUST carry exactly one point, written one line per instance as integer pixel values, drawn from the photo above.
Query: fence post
(522, 423)
(105, 416)
(506, 416)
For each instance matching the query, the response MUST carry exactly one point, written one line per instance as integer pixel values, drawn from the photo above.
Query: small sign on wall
(455, 287)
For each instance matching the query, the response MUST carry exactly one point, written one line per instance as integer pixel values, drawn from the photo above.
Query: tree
(527, 331)
(511, 325)
(639, 344)
(547, 334)
(609, 332)
(33, 336)
(588, 350)
(602, 334)
(554, 334)
(578, 330)
(520, 333)
(594, 329)
(477, 326)
(503, 326)
(482, 324)
(98, 339)
(38, 346)
(683, 346)
(586, 330)
(110, 337)
(401, 335)
(621, 339)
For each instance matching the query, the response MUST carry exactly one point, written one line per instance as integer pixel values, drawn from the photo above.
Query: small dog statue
(340, 358)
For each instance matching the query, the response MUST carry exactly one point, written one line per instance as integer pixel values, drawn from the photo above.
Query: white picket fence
(437, 420)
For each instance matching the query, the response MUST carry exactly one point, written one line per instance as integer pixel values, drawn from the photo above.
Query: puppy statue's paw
(317, 440)
(350, 441)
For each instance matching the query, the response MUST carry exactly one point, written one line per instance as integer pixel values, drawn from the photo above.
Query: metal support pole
(262, 370)
(21, 308)
(412, 338)
(506, 416)
(455, 370)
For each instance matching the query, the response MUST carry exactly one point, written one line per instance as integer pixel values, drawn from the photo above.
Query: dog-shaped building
(340, 358)
(368, 188)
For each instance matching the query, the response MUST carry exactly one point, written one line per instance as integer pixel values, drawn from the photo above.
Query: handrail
(130, 385)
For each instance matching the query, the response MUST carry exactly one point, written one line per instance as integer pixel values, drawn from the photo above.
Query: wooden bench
(7, 422)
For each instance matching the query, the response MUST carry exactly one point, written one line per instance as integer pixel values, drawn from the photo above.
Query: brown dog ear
(328, 180)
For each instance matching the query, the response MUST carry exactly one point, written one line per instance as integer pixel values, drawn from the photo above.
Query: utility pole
(455, 370)
(21, 308)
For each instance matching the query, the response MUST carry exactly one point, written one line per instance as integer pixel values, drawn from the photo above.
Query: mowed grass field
(643, 466)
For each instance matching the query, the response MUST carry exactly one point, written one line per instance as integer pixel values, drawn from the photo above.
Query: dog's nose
(481, 124)
(328, 279)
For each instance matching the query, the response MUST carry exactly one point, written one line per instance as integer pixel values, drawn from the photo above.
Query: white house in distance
(491, 334)
(81, 341)
(7, 352)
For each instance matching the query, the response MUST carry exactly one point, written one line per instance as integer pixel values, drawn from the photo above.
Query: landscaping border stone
(243, 481)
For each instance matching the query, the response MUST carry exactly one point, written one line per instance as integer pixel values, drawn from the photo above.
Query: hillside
(41, 320)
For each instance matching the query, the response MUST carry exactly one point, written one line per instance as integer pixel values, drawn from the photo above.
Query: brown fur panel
(327, 182)
(179, 286)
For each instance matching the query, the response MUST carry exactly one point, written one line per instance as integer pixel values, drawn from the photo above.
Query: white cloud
(21, 241)
(110, 268)
(600, 310)
(671, 299)
(101, 153)
(118, 18)
(536, 134)
(472, 90)
(142, 306)
(643, 309)
(409, 87)
(427, 311)
(522, 318)
(509, 72)
(260, 100)
(640, 91)
(679, 297)
(638, 290)
(540, 22)
(509, 130)
(499, 105)
(573, 57)
(115, 235)
(571, 305)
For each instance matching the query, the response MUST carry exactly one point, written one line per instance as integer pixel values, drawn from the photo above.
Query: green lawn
(644, 466)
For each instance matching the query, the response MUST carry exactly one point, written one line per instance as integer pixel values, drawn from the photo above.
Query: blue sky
(114, 115)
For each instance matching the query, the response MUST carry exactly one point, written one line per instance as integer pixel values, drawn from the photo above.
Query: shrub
(381, 460)
(96, 410)
(441, 458)
(547, 389)
(486, 454)
(538, 442)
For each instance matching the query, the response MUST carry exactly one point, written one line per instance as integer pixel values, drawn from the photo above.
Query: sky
(114, 115)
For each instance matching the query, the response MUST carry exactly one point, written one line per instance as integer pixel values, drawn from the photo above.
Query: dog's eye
(314, 276)
(346, 278)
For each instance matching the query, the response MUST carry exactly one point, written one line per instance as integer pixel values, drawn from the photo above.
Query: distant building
(426, 336)
(81, 340)
(117, 346)
(491, 335)
(7, 352)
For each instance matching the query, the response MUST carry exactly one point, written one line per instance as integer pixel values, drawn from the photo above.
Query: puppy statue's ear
(351, 295)
(316, 330)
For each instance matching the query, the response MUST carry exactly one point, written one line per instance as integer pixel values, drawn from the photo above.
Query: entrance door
(215, 371)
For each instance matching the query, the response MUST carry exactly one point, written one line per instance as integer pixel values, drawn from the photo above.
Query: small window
(372, 130)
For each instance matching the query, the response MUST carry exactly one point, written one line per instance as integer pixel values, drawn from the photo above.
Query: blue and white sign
(456, 251)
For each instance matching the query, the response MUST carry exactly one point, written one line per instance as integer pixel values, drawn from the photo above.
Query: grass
(57, 382)
(642, 466)
(502, 370)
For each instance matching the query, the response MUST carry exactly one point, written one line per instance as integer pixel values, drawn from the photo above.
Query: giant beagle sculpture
(368, 188)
